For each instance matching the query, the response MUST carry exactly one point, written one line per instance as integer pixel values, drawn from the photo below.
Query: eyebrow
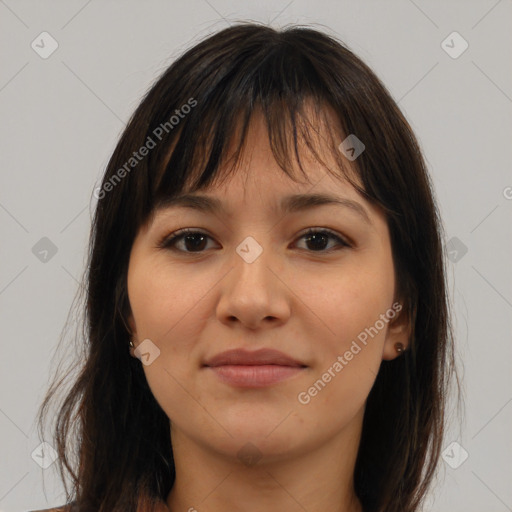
(288, 204)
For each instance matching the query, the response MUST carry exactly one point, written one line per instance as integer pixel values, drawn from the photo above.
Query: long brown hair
(122, 456)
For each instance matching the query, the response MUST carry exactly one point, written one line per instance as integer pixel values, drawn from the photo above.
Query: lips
(261, 368)
(241, 357)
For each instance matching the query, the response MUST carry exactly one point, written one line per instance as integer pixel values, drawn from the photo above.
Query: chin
(251, 449)
(271, 431)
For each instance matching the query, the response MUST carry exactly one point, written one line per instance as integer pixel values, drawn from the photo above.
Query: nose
(253, 294)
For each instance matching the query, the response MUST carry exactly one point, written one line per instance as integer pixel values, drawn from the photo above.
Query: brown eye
(193, 241)
(318, 239)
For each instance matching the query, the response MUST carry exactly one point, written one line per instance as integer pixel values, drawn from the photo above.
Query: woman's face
(254, 280)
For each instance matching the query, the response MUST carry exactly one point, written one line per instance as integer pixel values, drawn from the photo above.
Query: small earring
(131, 343)
(399, 347)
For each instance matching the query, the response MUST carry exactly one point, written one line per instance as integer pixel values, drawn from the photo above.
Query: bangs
(276, 81)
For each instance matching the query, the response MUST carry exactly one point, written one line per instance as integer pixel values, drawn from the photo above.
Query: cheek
(348, 301)
(166, 306)
(163, 300)
(349, 353)
(349, 304)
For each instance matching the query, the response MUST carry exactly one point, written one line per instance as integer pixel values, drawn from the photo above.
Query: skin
(307, 302)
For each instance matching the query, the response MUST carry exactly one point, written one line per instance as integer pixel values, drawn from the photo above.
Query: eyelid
(343, 240)
(164, 242)
(334, 234)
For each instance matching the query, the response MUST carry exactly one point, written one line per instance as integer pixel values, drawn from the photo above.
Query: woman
(232, 361)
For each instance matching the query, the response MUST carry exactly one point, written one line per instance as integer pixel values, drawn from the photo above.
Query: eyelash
(168, 241)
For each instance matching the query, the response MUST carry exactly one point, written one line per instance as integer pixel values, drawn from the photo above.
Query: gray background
(61, 117)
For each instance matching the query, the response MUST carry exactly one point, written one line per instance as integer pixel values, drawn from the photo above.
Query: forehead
(291, 203)
(309, 150)
(256, 178)
(261, 186)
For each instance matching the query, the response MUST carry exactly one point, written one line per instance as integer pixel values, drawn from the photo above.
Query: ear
(133, 330)
(399, 331)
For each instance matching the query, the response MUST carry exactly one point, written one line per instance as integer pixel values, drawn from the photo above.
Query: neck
(318, 478)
